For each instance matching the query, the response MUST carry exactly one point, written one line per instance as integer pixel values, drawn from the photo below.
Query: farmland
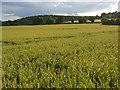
(60, 56)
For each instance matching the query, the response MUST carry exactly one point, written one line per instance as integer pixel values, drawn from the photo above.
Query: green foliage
(49, 20)
(82, 20)
(37, 21)
(52, 19)
(59, 20)
(111, 18)
(60, 56)
(110, 15)
(111, 21)
(91, 18)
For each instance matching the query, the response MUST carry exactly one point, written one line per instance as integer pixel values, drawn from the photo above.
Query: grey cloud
(23, 9)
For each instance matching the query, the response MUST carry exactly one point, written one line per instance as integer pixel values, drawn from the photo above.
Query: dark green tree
(97, 17)
(41, 21)
(49, 20)
(82, 20)
(37, 21)
(92, 19)
(59, 20)
(72, 21)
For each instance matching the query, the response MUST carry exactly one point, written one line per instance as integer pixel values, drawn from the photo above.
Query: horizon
(52, 15)
(17, 10)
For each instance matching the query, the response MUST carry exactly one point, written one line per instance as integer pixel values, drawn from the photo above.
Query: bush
(82, 20)
(110, 21)
(92, 19)
(37, 21)
(49, 21)
(59, 20)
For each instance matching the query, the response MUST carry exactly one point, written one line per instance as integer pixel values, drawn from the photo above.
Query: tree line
(110, 18)
(106, 19)
(49, 19)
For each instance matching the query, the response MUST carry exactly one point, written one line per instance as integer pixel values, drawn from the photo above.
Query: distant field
(69, 56)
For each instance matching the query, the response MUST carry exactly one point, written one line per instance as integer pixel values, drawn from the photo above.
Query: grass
(60, 56)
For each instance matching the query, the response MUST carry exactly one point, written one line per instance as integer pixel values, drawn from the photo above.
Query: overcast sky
(13, 9)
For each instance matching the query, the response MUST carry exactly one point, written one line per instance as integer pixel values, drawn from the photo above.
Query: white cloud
(58, 4)
(59, 0)
(119, 6)
(65, 14)
(57, 8)
(112, 8)
(11, 17)
(0, 11)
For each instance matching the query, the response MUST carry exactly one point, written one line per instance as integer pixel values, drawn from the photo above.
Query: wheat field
(60, 56)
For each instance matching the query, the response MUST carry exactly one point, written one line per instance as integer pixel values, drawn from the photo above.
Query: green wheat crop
(60, 56)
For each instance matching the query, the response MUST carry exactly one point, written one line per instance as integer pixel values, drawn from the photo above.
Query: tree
(103, 15)
(59, 20)
(37, 21)
(72, 21)
(92, 19)
(7, 23)
(82, 20)
(111, 21)
(97, 17)
(49, 20)
(41, 21)
(0, 23)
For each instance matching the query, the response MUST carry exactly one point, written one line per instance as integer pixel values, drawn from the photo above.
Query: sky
(16, 9)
